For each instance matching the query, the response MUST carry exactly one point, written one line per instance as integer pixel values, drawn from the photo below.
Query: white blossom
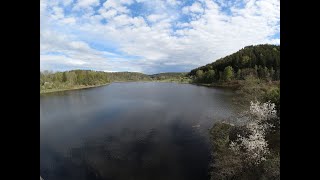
(255, 147)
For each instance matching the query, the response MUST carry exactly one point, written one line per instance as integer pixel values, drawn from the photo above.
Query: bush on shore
(249, 151)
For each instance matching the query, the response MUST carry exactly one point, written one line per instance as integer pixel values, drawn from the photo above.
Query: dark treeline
(260, 61)
(69, 79)
(127, 76)
(169, 75)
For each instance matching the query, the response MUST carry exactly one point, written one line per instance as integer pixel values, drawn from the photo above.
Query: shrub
(249, 151)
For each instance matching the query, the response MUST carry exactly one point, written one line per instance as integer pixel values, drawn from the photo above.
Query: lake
(130, 131)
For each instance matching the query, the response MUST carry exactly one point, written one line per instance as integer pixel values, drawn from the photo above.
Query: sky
(151, 36)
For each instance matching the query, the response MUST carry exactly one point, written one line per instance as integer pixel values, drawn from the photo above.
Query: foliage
(70, 79)
(50, 81)
(254, 89)
(249, 151)
(228, 73)
(209, 76)
(170, 77)
(127, 76)
(260, 61)
(254, 146)
(225, 163)
(273, 95)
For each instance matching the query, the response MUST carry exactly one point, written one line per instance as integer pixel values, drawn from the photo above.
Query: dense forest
(260, 61)
(127, 76)
(162, 76)
(180, 77)
(50, 81)
(246, 146)
(54, 81)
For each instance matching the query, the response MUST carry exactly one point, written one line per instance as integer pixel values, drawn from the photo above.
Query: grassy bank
(71, 88)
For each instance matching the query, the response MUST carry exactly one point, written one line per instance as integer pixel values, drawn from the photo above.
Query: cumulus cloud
(151, 36)
(194, 8)
(86, 3)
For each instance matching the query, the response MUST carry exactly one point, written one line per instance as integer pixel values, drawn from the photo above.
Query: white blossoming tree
(254, 147)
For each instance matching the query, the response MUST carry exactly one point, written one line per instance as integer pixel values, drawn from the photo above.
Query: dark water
(130, 131)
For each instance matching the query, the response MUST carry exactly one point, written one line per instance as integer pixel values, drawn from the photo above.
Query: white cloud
(69, 20)
(152, 37)
(107, 13)
(274, 41)
(87, 3)
(118, 5)
(194, 8)
(61, 60)
(156, 17)
(67, 2)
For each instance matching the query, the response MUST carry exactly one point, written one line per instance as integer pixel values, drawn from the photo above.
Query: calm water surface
(130, 131)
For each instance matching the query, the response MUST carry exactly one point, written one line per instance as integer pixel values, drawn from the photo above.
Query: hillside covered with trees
(171, 77)
(260, 61)
(246, 150)
(167, 75)
(76, 79)
(127, 76)
(246, 146)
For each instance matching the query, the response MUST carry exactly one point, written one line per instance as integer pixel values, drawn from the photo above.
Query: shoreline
(75, 88)
(218, 85)
(198, 84)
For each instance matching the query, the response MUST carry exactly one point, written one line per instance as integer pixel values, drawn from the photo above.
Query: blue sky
(151, 36)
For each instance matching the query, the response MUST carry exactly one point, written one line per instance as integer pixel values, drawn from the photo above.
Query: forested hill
(161, 76)
(262, 61)
(74, 79)
(127, 76)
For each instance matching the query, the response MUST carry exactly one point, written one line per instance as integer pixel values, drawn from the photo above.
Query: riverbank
(181, 81)
(236, 84)
(232, 159)
(86, 87)
(70, 89)
(232, 84)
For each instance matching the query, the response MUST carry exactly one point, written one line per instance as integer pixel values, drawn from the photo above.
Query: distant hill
(127, 76)
(262, 61)
(77, 79)
(169, 75)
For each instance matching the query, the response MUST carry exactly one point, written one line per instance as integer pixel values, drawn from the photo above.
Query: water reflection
(130, 131)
